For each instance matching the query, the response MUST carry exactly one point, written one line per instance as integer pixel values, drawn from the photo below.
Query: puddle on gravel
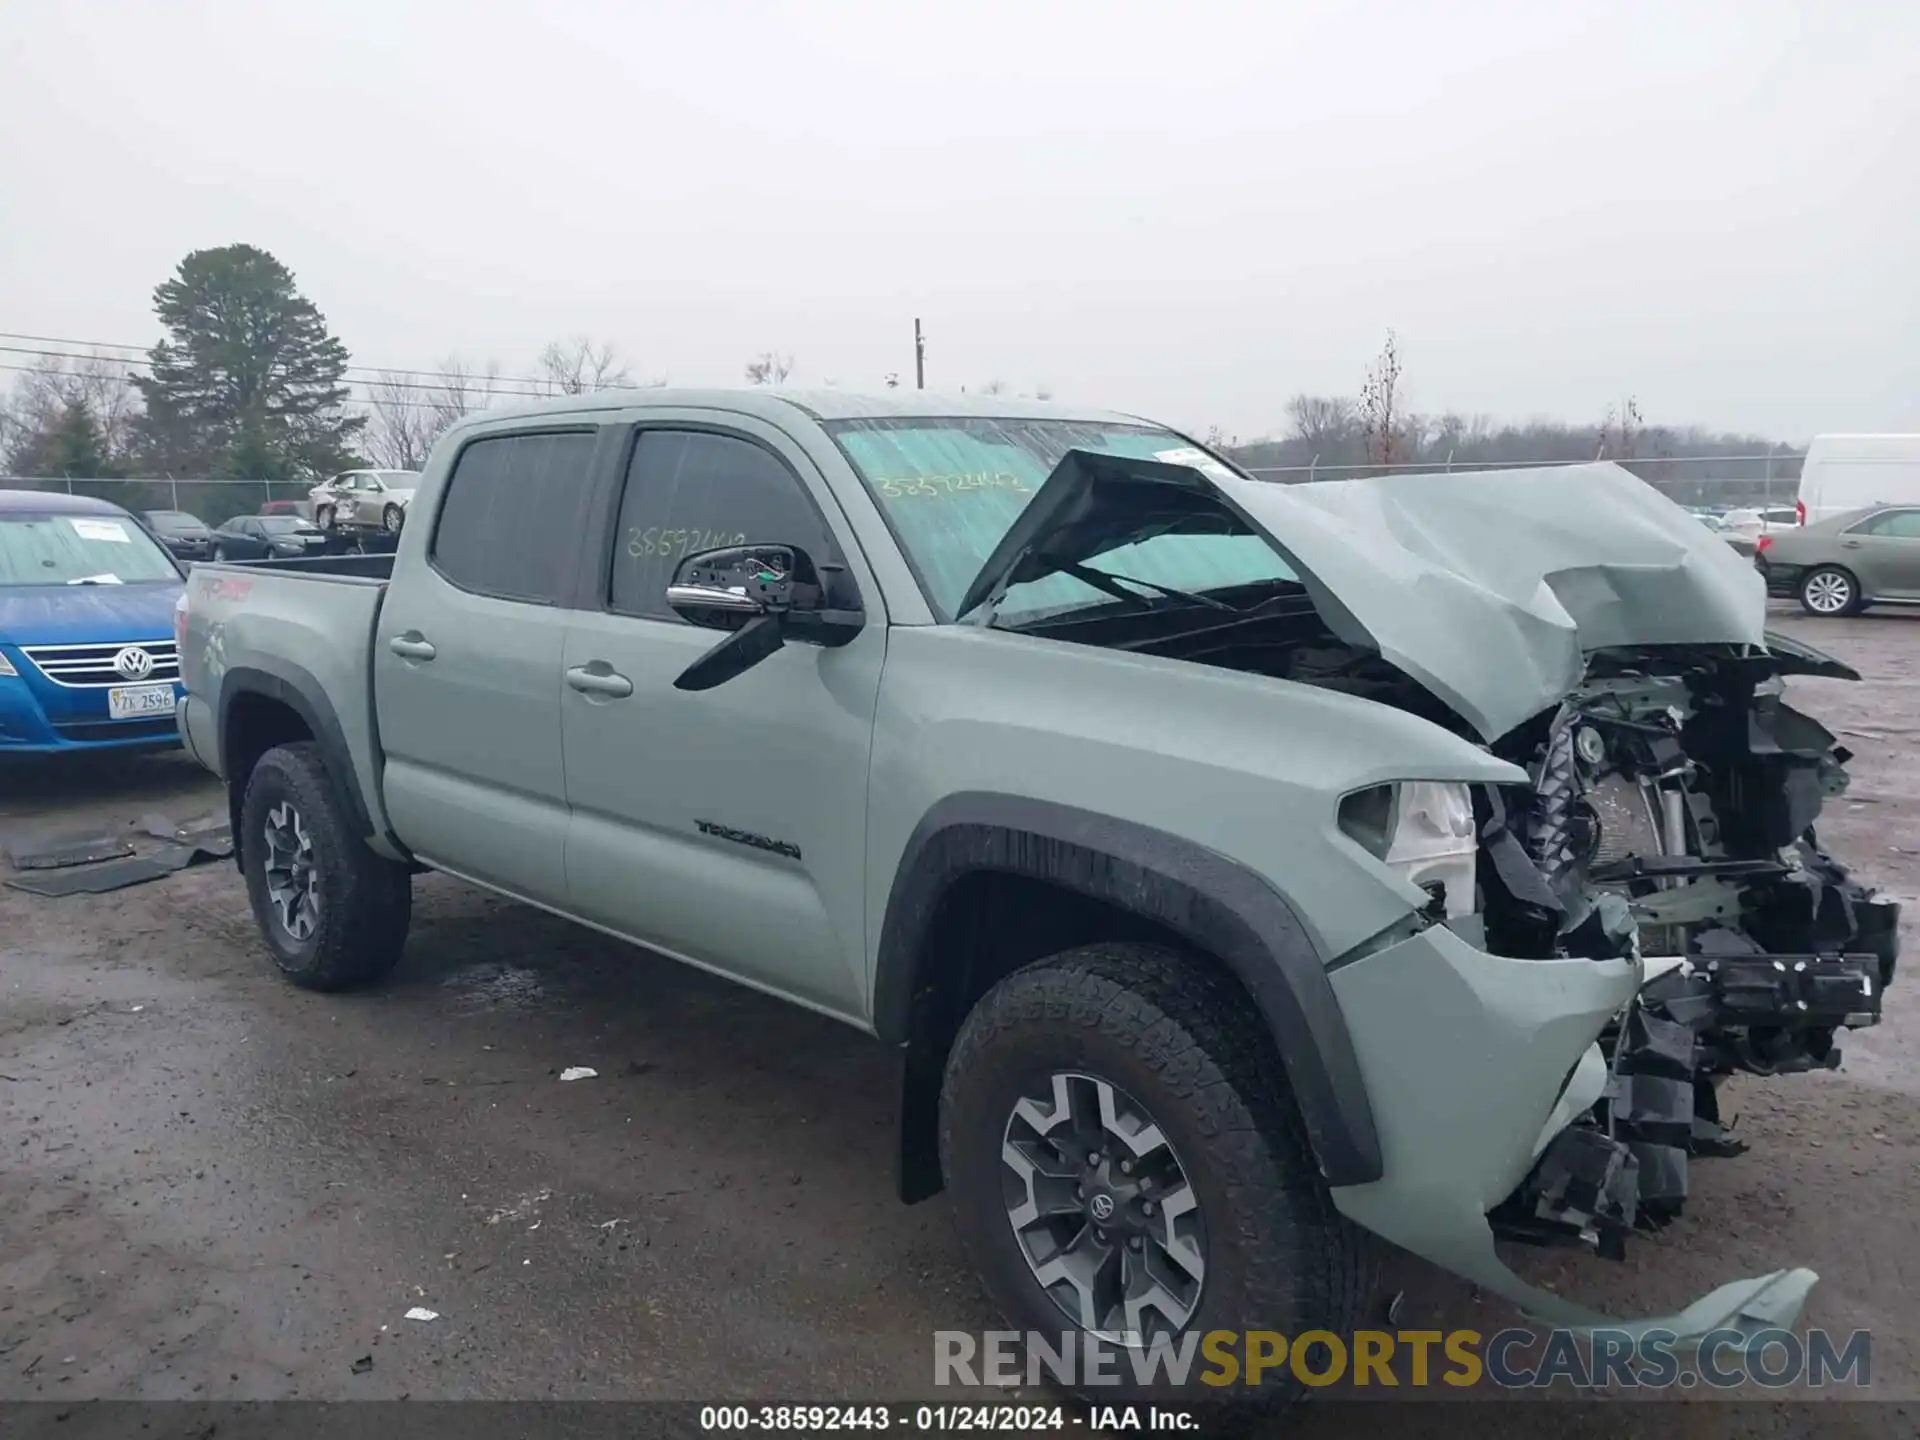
(497, 987)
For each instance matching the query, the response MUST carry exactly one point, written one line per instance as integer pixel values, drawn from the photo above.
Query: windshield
(950, 488)
(285, 524)
(78, 549)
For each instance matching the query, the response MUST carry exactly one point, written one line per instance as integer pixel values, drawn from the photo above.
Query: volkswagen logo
(1101, 1206)
(134, 663)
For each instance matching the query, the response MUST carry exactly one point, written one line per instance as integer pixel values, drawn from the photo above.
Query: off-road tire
(366, 901)
(1177, 1038)
(1829, 574)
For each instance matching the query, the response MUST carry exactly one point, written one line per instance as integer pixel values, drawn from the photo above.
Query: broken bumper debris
(1535, 1032)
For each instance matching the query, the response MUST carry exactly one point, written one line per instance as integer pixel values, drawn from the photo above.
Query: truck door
(466, 665)
(726, 826)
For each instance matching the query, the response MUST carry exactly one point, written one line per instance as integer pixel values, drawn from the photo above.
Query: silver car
(364, 500)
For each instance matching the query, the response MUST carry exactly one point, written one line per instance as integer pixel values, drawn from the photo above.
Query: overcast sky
(1192, 210)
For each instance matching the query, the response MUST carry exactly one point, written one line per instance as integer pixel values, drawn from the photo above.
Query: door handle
(1850, 544)
(599, 678)
(412, 646)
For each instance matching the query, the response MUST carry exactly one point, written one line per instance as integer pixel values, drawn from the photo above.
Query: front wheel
(1124, 1162)
(220, 552)
(323, 517)
(392, 518)
(1829, 591)
(333, 913)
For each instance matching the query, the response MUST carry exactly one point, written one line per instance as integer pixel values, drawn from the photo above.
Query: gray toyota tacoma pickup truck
(1242, 871)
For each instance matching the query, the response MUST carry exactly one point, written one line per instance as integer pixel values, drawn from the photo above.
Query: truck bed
(359, 566)
(307, 623)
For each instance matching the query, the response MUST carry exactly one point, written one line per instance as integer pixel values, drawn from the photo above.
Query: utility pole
(919, 358)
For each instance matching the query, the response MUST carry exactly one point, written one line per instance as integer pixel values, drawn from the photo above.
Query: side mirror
(764, 595)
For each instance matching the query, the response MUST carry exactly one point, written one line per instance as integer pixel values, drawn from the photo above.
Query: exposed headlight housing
(1424, 830)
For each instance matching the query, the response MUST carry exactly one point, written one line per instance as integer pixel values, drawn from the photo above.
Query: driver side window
(693, 490)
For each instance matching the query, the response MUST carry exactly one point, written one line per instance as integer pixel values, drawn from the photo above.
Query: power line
(476, 395)
(460, 386)
(97, 345)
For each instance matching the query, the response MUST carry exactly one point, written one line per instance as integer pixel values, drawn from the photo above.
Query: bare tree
(57, 386)
(400, 426)
(769, 367)
(1380, 419)
(994, 387)
(1322, 422)
(408, 410)
(1218, 439)
(1620, 430)
(460, 389)
(574, 367)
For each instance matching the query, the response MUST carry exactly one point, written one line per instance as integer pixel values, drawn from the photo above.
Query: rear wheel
(333, 913)
(1124, 1163)
(323, 517)
(1828, 590)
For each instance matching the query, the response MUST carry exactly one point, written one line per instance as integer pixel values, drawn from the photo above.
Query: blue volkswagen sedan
(87, 649)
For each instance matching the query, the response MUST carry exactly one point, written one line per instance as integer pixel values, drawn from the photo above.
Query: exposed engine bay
(1671, 816)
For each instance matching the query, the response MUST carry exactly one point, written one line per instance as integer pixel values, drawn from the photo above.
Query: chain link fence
(214, 501)
(1732, 481)
(1706, 480)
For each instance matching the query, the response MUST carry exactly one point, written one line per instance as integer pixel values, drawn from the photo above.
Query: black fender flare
(1209, 900)
(296, 688)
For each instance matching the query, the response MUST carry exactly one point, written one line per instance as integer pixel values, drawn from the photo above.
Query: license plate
(125, 702)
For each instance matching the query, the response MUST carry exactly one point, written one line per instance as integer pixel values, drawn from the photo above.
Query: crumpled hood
(1491, 587)
(1488, 587)
(87, 614)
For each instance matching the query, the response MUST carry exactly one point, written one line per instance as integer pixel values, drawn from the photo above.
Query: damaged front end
(1671, 820)
(1543, 1042)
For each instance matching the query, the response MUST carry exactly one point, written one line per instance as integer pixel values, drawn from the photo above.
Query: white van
(1848, 472)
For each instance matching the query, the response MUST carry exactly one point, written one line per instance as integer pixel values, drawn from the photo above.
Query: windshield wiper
(1104, 581)
(986, 613)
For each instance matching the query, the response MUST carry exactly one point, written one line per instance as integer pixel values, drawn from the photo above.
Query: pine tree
(248, 381)
(71, 445)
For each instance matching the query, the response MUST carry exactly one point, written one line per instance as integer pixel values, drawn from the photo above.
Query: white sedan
(365, 500)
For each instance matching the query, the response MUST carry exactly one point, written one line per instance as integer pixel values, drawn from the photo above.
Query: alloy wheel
(293, 878)
(1828, 593)
(1102, 1210)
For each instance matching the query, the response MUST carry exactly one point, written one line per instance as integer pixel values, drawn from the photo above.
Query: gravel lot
(217, 1187)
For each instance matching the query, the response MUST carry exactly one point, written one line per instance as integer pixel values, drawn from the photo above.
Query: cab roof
(778, 402)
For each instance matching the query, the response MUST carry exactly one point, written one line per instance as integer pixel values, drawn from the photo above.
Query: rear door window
(509, 524)
(1898, 524)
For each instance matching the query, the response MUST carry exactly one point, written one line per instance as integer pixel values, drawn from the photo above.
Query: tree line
(248, 382)
(1374, 430)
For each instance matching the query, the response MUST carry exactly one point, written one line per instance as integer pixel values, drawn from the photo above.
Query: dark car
(267, 537)
(185, 535)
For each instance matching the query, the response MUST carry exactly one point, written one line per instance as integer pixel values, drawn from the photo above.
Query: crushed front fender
(1472, 1062)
